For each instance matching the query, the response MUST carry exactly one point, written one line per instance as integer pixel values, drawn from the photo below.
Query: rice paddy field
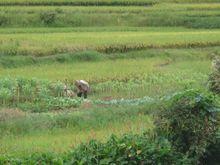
(132, 53)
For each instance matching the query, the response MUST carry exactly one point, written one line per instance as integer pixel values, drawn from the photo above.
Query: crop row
(35, 95)
(41, 95)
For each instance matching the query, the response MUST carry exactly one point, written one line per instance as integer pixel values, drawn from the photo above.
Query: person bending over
(82, 87)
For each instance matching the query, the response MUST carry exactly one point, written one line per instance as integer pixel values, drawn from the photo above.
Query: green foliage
(49, 104)
(3, 20)
(211, 156)
(48, 18)
(130, 149)
(35, 95)
(189, 122)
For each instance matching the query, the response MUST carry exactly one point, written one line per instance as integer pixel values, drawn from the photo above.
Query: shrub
(48, 17)
(214, 78)
(212, 153)
(189, 122)
(3, 20)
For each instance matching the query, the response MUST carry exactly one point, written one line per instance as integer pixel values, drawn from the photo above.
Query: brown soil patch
(86, 105)
(7, 114)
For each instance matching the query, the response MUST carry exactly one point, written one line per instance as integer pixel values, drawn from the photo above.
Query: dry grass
(9, 114)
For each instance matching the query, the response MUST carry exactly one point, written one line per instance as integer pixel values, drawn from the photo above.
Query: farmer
(82, 87)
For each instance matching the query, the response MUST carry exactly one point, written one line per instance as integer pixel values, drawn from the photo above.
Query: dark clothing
(82, 93)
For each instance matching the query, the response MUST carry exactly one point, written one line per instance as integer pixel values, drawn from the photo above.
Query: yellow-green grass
(65, 139)
(42, 44)
(85, 70)
(102, 70)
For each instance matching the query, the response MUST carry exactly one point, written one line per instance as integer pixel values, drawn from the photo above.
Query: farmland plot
(139, 57)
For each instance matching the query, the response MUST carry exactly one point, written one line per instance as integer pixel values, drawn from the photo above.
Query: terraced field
(108, 42)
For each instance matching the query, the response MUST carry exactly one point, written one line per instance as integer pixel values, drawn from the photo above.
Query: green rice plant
(5, 96)
(58, 89)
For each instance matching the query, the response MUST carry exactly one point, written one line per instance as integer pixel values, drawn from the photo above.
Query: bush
(130, 149)
(214, 78)
(189, 122)
(48, 17)
(3, 20)
(212, 153)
